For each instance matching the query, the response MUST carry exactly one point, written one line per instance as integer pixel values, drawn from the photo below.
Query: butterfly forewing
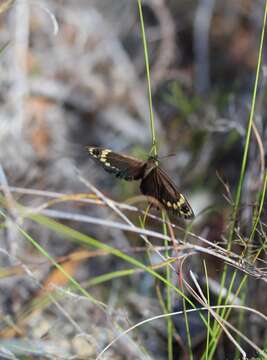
(124, 167)
(159, 185)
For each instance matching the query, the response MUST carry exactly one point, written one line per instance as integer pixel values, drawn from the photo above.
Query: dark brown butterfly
(154, 181)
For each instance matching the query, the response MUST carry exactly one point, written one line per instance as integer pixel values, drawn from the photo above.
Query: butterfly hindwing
(124, 167)
(158, 185)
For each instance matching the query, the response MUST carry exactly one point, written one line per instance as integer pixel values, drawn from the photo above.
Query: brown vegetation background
(85, 84)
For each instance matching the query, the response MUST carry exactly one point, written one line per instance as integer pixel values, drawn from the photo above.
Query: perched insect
(154, 181)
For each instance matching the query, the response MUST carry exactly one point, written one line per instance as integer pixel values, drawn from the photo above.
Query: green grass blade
(217, 329)
(152, 122)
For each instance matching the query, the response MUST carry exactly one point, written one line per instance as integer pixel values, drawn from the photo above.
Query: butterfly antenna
(166, 156)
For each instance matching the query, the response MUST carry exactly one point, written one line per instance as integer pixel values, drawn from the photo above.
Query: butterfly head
(153, 160)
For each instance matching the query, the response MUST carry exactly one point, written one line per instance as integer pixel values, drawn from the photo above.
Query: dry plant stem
(149, 206)
(85, 254)
(83, 199)
(212, 249)
(226, 322)
(224, 256)
(202, 300)
(204, 308)
(86, 198)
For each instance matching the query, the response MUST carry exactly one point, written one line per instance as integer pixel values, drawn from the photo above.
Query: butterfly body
(154, 180)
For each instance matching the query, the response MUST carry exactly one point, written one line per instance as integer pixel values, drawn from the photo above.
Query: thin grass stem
(153, 151)
(168, 294)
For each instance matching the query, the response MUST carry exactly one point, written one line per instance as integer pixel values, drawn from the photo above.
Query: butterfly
(154, 181)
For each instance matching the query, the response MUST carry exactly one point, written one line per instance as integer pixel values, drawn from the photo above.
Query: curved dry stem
(204, 308)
